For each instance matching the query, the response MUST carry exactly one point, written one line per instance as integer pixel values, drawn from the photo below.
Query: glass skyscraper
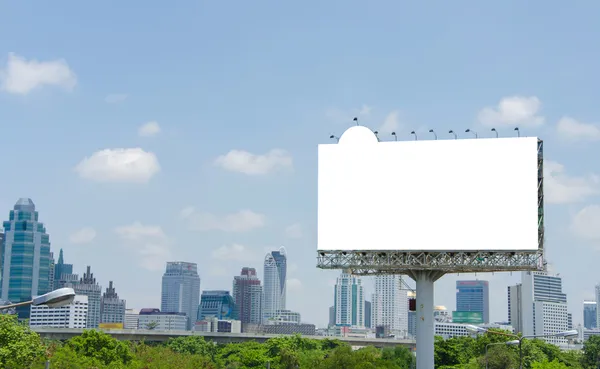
(349, 301)
(275, 274)
(181, 290)
(590, 315)
(218, 304)
(25, 259)
(474, 296)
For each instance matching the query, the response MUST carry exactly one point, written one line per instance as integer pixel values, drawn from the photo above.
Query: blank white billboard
(435, 195)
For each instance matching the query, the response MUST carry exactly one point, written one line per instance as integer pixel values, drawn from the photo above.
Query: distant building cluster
(28, 269)
(536, 306)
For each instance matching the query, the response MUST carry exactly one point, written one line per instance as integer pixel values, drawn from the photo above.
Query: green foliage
(101, 347)
(591, 352)
(19, 345)
(22, 348)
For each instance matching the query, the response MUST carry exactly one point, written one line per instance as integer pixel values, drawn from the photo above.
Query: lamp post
(518, 132)
(334, 137)
(454, 133)
(508, 343)
(415, 134)
(56, 298)
(376, 133)
(355, 120)
(566, 334)
(434, 134)
(496, 132)
(395, 136)
(475, 133)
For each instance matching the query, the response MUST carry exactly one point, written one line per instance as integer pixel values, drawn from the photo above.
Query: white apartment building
(449, 330)
(159, 321)
(389, 305)
(537, 306)
(73, 315)
(132, 317)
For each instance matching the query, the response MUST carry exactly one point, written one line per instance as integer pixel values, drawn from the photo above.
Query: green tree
(162, 357)
(400, 356)
(554, 364)
(20, 347)
(151, 325)
(249, 354)
(194, 345)
(500, 357)
(100, 346)
(591, 353)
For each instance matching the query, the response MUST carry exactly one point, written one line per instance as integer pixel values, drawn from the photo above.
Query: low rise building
(154, 319)
(73, 315)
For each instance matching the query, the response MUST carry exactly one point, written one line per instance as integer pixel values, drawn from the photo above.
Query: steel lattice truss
(400, 262)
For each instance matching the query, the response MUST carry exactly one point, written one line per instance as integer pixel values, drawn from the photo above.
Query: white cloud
(149, 129)
(586, 223)
(234, 252)
(21, 76)
(253, 164)
(242, 221)
(84, 235)
(119, 165)
(294, 231)
(365, 110)
(512, 111)
(115, 98)
(294, 285)
(187, 211)
(559, 188)
(572, 129)
(390, 124)
(150, 243)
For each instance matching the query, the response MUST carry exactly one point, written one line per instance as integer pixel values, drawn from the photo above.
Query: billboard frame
(426, 267)
(373, 262)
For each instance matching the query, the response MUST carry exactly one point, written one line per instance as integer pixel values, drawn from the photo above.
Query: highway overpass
(162, 336)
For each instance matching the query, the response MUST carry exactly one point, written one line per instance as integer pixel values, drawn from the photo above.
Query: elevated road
(222, 338)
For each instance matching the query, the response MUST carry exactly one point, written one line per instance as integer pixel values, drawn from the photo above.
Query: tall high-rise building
(51, 272)
(537, 306)
(474, 296)
(368, 314)
(112, 308)
(390, 304)
(590, 314)
(63, 273)
(88, 286)
(275, 274)
(247, 296)
(181, 290)
(25, 257)
(349, 301)
(218, 304)
(1, 251)
(331, 316)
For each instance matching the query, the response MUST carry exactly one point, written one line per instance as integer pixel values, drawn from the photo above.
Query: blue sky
(79, 78)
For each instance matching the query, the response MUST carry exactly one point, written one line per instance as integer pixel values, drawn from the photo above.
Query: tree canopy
(22, 348)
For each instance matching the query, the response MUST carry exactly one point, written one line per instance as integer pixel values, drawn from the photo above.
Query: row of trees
(22, 348)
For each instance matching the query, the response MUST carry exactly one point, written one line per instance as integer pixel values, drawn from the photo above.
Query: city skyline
(140, 149)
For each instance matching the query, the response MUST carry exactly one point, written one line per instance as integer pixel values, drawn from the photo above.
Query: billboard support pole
(425, 322)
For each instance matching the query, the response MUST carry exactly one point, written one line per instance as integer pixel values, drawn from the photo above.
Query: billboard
(435, 195)
(469, 317)
(110, 325)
